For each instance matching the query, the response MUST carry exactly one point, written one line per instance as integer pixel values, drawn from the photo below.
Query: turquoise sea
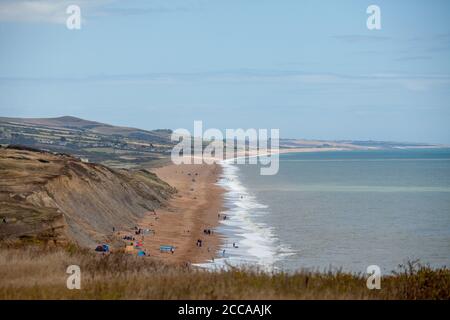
(346, 209)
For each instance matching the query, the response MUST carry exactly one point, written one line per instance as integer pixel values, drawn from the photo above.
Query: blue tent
(102, 248)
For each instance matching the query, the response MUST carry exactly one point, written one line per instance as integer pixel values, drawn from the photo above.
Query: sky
(309, 68)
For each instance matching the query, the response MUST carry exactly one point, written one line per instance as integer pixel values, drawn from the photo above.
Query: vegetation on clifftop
(37, 273)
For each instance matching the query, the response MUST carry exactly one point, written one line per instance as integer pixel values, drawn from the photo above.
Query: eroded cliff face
(52, 198)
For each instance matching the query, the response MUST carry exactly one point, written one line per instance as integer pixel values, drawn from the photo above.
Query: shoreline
(194, 208)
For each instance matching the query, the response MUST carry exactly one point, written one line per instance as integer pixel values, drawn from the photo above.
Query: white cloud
(54, 11)
(411, 82)
(46, 11)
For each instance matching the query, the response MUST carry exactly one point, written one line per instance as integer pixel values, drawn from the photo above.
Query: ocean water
(347, 209)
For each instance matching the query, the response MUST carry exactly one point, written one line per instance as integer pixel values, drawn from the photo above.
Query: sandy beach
(194, 208)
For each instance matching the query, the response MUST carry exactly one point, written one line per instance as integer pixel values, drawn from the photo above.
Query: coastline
(194, 208)
(246, 242)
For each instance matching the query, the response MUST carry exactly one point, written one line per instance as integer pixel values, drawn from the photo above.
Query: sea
(340, 210)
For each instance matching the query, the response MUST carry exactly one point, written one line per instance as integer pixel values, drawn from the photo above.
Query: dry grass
(36, 273)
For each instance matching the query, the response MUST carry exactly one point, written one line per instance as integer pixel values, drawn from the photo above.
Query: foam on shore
(256, 242)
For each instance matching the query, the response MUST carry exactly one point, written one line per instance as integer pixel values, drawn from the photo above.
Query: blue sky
(310, 68)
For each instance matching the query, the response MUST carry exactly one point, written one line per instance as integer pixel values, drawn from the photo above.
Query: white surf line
(248, 243)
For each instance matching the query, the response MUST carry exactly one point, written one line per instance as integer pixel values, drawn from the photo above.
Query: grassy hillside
(98, 142)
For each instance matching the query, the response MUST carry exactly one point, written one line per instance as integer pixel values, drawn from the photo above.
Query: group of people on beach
(137, 231)
(200, 242)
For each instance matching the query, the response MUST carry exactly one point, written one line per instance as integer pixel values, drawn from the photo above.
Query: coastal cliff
(56, 198)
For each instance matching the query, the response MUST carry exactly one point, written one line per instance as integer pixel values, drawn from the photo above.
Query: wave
(247, 241)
